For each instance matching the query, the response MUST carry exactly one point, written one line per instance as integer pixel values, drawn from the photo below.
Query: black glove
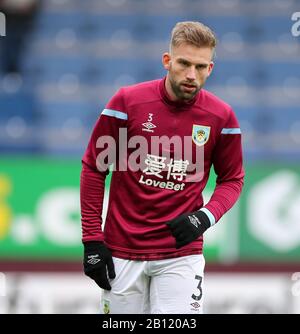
(188, 227)
(98, 262)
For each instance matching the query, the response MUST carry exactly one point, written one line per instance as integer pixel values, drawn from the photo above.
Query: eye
(201, 67)
(183, 63)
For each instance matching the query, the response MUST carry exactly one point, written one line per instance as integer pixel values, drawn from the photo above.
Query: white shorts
(171, 286)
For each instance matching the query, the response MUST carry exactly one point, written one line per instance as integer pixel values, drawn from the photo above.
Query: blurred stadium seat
(75, 50)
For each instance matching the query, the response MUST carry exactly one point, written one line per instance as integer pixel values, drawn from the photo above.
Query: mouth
(188, 87)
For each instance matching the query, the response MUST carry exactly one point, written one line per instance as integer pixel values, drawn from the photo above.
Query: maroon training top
(143, 199)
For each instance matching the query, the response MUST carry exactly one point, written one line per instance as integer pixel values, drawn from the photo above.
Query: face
(188, 68)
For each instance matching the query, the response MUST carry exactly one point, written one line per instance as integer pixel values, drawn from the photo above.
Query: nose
(191, 73)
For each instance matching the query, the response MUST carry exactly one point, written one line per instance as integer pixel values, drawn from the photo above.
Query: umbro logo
(149, 126)
(195, 305)
(93, 259)
(194, 220)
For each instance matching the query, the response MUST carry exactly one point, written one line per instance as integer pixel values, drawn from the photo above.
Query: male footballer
(148, 256)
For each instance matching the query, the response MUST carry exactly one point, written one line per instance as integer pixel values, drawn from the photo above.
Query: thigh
(177, 286)
(129, 290)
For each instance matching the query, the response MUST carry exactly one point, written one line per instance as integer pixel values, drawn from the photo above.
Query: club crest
(200, 134)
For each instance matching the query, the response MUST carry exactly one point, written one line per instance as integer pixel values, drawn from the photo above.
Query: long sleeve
(91, 199)
(103, 142)
(228, 165)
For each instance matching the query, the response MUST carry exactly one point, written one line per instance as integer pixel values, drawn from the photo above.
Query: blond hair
(195, 33)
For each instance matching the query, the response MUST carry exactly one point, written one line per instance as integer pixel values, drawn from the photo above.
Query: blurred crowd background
(61, 61)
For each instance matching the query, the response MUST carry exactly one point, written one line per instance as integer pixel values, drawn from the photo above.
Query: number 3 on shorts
(199, 295)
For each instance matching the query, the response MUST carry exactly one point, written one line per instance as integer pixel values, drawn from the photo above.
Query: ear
(166, 59)
(210, 68)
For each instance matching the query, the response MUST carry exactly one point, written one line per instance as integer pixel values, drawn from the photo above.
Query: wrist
(211, 217)
(93, 245)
